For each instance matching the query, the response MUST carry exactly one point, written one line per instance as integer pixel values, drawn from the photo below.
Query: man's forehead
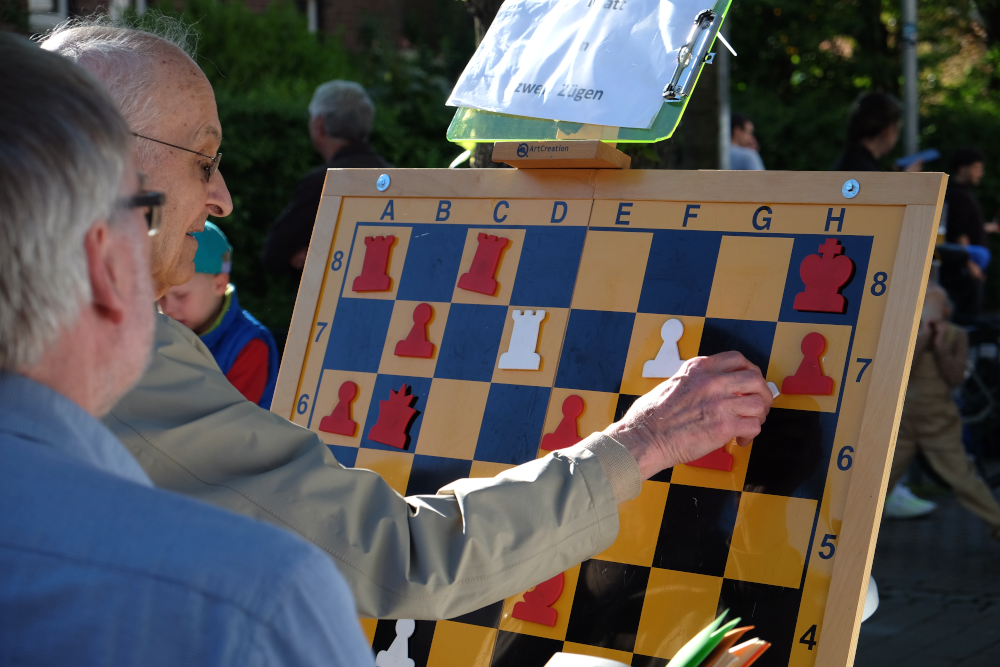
(187, 98)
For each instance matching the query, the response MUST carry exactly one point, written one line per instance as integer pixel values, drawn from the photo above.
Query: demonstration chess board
(459, 323)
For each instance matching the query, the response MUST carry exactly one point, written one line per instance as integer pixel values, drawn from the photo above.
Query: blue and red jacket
(245, 351)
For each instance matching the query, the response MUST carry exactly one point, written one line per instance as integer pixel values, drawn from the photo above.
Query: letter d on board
(766, 219)
(555, 211)
(444, 210)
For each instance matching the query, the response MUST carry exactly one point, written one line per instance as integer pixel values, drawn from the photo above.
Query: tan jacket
(475, 542)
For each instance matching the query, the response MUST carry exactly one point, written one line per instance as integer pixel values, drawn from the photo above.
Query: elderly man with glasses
(435, 556)
(98, 567)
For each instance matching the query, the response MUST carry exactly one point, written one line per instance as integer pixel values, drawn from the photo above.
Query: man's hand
(706, 404)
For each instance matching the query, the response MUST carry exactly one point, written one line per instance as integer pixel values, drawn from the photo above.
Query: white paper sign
(603, 62)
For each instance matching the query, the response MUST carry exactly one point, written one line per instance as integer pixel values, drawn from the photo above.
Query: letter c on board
(496, 208)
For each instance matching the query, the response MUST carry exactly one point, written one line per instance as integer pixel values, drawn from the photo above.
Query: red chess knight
(824, 275)
(394, 417)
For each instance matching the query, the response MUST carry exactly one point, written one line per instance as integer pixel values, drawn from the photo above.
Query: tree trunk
(700, 125)
(483, 12)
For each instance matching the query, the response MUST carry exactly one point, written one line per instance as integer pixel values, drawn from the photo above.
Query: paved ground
(939, 584)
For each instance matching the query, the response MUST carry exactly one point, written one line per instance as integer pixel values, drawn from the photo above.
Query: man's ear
(317, 128)
(106, 269)
(220, 281)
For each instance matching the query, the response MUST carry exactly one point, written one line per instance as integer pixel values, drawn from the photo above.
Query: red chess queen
(824, 275)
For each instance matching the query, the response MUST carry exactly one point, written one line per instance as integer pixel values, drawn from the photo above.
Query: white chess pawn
(398, 654)
(668, 360)
(521, 355)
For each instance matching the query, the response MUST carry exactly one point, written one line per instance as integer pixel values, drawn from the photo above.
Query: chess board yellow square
(506, 269)
(731, 480)
(786, 355)
(452, 418)
(562, 606)
(676, 608)
(328, 397)
(394, 268)
(550, 338)
(639, 526)
(401, 322)
(483, 469)
(461, 645)
(598, 412)
(611, 271)
(646, 343)
(750, 278)
(770, 539)
(393, 467)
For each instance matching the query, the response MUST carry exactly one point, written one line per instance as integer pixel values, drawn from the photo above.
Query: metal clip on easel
(693, 55)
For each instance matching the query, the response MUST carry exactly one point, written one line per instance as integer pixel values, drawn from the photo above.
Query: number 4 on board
(809, 638)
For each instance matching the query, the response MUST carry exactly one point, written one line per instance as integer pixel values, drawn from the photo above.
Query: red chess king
(373, 276)
(480, 277)
(394, 417)
(339, 421)
(824, 275)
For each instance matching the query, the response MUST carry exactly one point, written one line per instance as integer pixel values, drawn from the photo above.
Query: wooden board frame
(922, 195)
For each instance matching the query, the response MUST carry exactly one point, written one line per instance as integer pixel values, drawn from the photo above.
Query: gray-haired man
(437, 556)
(98, 567)
(341, 116)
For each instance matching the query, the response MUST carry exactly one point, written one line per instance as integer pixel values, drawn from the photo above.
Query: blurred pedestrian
(964, 225)
(743, 148)
(341, 116)
(930, 422)
(207, 305)
(872, 132)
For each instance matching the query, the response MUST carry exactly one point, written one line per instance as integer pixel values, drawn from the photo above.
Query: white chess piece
(398, 654)
(668, 360)
(521, 355)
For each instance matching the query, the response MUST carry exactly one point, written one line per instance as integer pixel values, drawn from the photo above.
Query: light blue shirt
(744, 159)
(99, 568)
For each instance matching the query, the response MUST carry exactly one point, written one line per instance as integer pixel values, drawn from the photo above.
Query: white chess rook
(668, 360)
(398, 654)
(521, 355)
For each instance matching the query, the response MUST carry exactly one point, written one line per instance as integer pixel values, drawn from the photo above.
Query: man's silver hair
(346, 109)
(122, 55)
(63, 151)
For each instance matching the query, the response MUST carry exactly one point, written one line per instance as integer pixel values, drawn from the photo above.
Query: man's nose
(219, 201)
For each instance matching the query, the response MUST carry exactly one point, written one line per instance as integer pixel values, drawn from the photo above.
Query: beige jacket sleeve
(425, 557)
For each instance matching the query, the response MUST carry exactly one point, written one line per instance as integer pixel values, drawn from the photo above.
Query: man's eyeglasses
(209, 168)
(152, 202)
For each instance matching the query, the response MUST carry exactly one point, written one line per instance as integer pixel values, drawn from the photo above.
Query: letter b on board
(444, 210)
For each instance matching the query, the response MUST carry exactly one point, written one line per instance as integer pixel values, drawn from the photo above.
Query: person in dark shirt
(341, 115)
(872, 133)
(963, 219)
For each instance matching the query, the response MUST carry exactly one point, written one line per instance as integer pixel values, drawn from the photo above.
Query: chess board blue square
(470, 342)
(751, 338)
(512, 426)
(790, 451)
(357, 335)
(432, 262)
(547, 269)
(346, 456)
(858, 248)
(418, 387)
(595, 350)
(697, 529)
(430, 473)
(679, 272)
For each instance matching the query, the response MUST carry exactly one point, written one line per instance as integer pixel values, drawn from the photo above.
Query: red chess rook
(824, 275)
(481, 276)
(373, 276)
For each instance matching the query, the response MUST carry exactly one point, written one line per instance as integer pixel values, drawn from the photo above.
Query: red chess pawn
(373, 276)
(566, 433)
(480, 276)
(339, 421)
(720, 459)
(537, 605)
(394, 417)
(809, 378)
(416, 343)
(824, 275)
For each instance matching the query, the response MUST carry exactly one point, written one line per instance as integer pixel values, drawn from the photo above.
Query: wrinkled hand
(706, 404)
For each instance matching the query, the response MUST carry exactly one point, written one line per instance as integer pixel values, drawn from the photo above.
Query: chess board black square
(486, 617)
(469, 345)
(608, 605)
(751, 338)
(419, 643)
(648, 661)
(357, 335)
(517, 650)
(697, 529)
(679, 272)
(546, 273)
(595, 350)
(430, 473)
(430, 270)
(789, 453)
(772, 610)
